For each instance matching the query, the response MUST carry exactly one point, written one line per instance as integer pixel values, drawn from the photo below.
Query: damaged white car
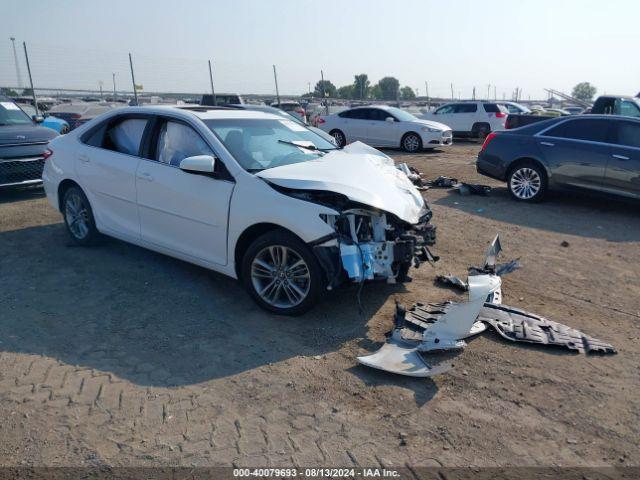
(245, 193)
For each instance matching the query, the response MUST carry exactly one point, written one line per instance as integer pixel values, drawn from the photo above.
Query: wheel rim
(339, 138)
(77, 216)
(525, 183)
(411, 143)
(280, 276)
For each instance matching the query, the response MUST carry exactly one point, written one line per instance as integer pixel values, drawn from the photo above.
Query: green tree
(389, 88)
(361, 86)
(584, 91)
(345, 92)
(407, 93)
(8, 92)
(376, 92)
(27, 92)
(329, 89)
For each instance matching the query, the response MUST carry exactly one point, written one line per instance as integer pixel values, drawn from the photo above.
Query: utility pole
(15, 59)
(324, 94)
(133, 79)
(275, 77)
(426, 89)
(309, 87)
(488, 91)
(452, 91)
(113, 76)
(100, 83)
(33, 92)
(474, 93)
(213, 92)
(495, 94)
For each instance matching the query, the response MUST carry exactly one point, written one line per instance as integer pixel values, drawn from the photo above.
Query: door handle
(145, 176)
(620, 157)
(84, 158)
(548, 144)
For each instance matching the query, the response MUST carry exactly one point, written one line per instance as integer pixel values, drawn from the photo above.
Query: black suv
(22, 146)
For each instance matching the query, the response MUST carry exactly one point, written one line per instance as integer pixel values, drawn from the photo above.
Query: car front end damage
(369, 244)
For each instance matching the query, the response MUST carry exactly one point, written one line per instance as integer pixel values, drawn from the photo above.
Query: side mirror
(38, 118)
(198, 164)
(390, 119)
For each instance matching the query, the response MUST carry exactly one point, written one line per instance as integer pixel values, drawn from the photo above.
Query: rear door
(106, 165)
(464, 116)
(623, 170)
(353, 124)
(183, 212)
(577, 151)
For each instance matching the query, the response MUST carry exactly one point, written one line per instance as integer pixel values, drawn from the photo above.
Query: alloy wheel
(280, 276)
(340, 140)
(411, 143)
(77, 216)
(525, 183)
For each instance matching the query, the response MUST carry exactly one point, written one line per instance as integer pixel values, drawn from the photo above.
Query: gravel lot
(117, 355)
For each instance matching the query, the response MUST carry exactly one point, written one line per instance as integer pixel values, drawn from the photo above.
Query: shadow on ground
(20, 195)
(569, 213)
(151, 319)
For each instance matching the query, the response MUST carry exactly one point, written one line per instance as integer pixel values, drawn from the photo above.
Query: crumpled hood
(359, 172)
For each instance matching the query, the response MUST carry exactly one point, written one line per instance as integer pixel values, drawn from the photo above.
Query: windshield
(401, 114)
(10, 114)
(258, 144)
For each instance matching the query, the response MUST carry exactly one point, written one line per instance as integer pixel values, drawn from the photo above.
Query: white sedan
(249, 194)
(383, 126)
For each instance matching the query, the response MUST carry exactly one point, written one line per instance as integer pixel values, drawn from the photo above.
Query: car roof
(206, 113)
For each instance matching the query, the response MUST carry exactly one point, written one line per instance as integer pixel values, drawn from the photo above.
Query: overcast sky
(531, 44)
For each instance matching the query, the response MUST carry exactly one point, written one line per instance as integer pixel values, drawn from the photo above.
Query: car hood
(358, 172)
(18, 134)
(432, 124)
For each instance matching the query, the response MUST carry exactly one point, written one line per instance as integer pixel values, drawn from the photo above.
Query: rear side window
(494, 108)
(628, 134)
(124, 135)
(466, 108)
(358, 113)
(583, 129)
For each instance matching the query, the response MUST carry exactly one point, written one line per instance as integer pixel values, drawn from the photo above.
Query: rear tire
(527, 182)
(481, 131)
(341, 139)
(282, 274)
(78, 217)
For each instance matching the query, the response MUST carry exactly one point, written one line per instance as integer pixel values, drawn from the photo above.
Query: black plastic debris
(466, 189)
(521, 326)
(442, 182)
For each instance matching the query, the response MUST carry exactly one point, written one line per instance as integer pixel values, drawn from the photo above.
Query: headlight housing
(430, 129)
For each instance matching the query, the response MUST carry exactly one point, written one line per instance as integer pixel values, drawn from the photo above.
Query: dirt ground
(116, 355)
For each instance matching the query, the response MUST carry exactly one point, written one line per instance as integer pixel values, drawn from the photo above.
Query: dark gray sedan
(594, 152)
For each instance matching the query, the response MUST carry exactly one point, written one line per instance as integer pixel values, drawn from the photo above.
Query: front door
(380, 132)
(183, 212)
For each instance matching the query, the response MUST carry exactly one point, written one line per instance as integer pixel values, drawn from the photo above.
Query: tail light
(501, 115)
(320, 121)
(299, 111)
(47, 153)
(487, 140)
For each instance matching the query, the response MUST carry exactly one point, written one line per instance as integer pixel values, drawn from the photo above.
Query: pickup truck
(604, 105)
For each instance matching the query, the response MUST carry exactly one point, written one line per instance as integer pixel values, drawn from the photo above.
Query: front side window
(628, 134)
(400, 115)
(10, 114)
(583, 129)
(124, 136)
(178, 141)
(629, 109)
(258, 144)
(446, 109)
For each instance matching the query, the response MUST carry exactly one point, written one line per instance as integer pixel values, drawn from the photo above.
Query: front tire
(411, 143)
(341, 139)
(78, 217)
(282, 274)
(527, 182)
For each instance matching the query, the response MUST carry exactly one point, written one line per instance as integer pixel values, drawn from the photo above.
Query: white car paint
(200, 219)
(462, 117)
(381, 133)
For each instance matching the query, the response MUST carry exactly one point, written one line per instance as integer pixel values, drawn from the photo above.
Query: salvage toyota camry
(245, 193)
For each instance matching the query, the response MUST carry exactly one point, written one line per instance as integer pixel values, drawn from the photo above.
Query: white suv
(470, 119)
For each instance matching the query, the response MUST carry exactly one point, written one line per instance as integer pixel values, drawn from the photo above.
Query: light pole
(113, 76)
(15, 59)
